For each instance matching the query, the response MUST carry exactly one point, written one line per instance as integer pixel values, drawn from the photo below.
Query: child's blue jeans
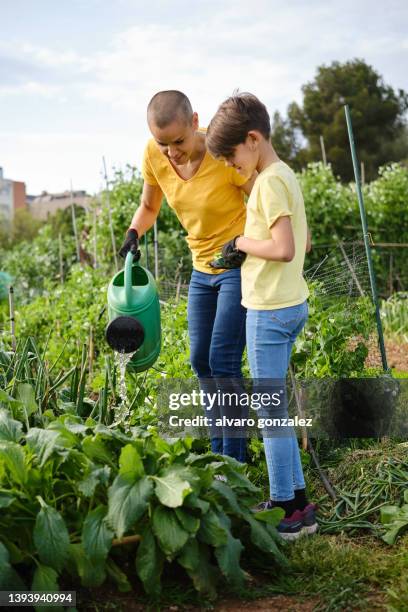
(270, 338)
(216, 328)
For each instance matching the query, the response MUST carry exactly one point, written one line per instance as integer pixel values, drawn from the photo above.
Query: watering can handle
(128, 277)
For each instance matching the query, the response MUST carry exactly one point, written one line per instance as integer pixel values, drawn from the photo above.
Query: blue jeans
(216, 327)
(270, 338)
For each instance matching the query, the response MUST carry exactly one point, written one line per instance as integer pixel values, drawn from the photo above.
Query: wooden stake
(95, 262)
(115, 259)
(74, 225)
(156, 252)
(61, 260)
(350, 267)
(323, 150)
(362, 174)
(326, 483)
(91, 351)
(178, 290)
(12, 320)
(126, 540)
(299, 405)
(391, 283)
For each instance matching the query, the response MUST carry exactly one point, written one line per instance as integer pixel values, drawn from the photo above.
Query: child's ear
(253, 140)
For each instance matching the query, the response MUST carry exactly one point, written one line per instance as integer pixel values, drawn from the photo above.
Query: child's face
(177, 140)
(244, 158)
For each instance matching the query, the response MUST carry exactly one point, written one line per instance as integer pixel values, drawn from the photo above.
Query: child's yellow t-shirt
(268, 285)
(210, 205)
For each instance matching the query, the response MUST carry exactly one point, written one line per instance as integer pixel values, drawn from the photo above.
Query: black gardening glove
(231, 257)
(131, 244)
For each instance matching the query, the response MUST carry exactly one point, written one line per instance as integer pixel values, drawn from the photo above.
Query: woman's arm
(280, 247)
(148, 211)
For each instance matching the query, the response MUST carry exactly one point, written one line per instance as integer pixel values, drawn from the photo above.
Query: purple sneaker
(309, 522)
(291, 527)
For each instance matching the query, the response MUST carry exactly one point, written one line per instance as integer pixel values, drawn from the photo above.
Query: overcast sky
(75, 77)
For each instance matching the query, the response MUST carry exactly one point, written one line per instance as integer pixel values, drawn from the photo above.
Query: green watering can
(134, 315)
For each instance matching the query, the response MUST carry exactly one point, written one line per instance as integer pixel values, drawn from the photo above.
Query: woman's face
(244, 158)
(177, 140)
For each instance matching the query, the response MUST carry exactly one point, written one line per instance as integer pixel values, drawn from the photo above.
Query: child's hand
(229, 258)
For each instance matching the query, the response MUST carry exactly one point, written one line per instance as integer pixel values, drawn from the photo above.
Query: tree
(377, 113)
(285, 139)
(23, 227)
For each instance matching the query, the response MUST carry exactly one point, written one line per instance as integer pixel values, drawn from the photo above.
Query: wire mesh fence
(341, 276)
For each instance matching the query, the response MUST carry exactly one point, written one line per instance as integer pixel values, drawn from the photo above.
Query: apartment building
(12, 197)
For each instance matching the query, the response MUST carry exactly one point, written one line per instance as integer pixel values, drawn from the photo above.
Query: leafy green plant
(334, 341)
(394, 314)
(78, 490)
(395, 520)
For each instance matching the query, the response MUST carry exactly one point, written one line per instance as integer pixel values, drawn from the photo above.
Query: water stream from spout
(122, 413)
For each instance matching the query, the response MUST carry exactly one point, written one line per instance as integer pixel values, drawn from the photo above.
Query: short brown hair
(235, 117)
(168, 106)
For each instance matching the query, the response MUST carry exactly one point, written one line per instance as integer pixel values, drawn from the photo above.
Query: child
(273, 288)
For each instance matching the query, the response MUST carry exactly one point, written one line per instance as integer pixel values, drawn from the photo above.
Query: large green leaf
(131, 463)
(149, 563)
(193, 501)
(228, 494)
(189, 522)
(228, 557)
(45, 579)
(6, 500)
(263, 540)
(396, 521)
(9, 579)
(10, 429)
(189, 555)
(92, 574)
(13, 458)
(168, 531)
(42, 442)
(211, 531)
(98, 475)
(272, 516)
(26, 395)
(51, 537)
(171, 489)
(96, 534)
(238, 480)
(128, 501)
(119, 576)
(195, 559)
(96, 449)
(66, 437)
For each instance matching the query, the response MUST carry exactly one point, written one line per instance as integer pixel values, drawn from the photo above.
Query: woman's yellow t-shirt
(269, 285)
(210, 205)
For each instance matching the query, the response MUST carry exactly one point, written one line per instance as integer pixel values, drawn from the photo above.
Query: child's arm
(280, 247)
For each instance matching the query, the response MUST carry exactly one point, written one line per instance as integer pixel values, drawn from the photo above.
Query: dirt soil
(278, 603)
(397, 356)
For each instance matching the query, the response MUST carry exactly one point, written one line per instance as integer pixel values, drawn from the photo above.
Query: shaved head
(168, 106)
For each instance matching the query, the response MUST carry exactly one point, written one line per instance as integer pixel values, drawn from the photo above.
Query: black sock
(289, 506)
(301, 500)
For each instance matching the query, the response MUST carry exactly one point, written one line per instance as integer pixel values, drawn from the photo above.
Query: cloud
(31, 88)
(91, 99)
